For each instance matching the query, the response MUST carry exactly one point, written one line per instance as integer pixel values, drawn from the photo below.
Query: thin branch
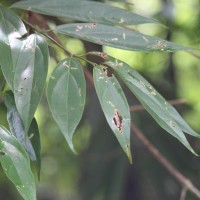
(88, 76)
(48, 33)
(166, 164)
(174, 102)
(56, 42)
(183, 193)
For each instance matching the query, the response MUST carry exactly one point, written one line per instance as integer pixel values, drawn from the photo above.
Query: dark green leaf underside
(16, 165)
(66, 96)
(85, 11)
(118, 37)
(31, 143)
(114, 106)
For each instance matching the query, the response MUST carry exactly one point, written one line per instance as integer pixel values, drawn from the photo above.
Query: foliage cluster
(24, 59)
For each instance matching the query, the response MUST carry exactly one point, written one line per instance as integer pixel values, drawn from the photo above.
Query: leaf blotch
(117, 119)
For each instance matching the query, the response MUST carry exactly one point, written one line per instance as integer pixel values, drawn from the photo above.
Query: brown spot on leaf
(2, 153)
(103, 55)
(118, 120)
(106, 72)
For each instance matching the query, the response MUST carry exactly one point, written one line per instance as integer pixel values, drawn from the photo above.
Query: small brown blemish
(145, 39)
(142, 83)
(118, 120)
(171, 124)
(124, 36)
(73, 68)
(153, 92)
(103, 55)
(79, 91)
(121, 20)
(109, 102)
(106, 72)
(2, 153)
(90, 26)
(114, 39)
(79, 27)
(159, 45)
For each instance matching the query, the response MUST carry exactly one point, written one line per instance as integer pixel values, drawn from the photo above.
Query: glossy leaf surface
(11, 28)
(31, 143)
(16, 165)
(30, 76)
(114, 106)
(66, 96)
(86, 11)
(165, 114)
(117, 37)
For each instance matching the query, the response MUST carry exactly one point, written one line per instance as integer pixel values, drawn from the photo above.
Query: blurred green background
(101, 170)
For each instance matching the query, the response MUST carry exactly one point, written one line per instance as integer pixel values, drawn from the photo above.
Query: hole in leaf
(106, 72)
(118, 120)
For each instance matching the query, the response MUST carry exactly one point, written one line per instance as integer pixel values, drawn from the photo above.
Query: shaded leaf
(34, 136)
(11, 28)
(114, 106)
(16, 165)
(66, 96)
(30, 75)
(117, 37)
(86, 11)
(30, 143)
(165, 114)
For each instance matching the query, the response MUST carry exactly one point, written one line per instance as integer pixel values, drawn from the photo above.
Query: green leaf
(30, 143)
(114, 106)
(34, 136)
(11, 28)
(86, 11)
(66, 96)
(30, 75)
(165, 114)
(117, 37)
(16, 165)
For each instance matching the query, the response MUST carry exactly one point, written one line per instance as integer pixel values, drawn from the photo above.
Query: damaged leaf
(118, 37)
(114, 106)
(164, 114)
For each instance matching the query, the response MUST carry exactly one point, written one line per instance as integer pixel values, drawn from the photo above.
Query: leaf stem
(57, 43)
(183, 193)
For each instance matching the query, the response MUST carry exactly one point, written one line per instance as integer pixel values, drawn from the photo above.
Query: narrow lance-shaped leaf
(86, 11)
(30, 143)
(114, 106)
(117, 37)
(30, 75)
(16, 165)
(11, 28)
(165, 115)
(66, 96)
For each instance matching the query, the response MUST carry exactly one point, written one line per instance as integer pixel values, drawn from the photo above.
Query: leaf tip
(72, 148)
(128, 153)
